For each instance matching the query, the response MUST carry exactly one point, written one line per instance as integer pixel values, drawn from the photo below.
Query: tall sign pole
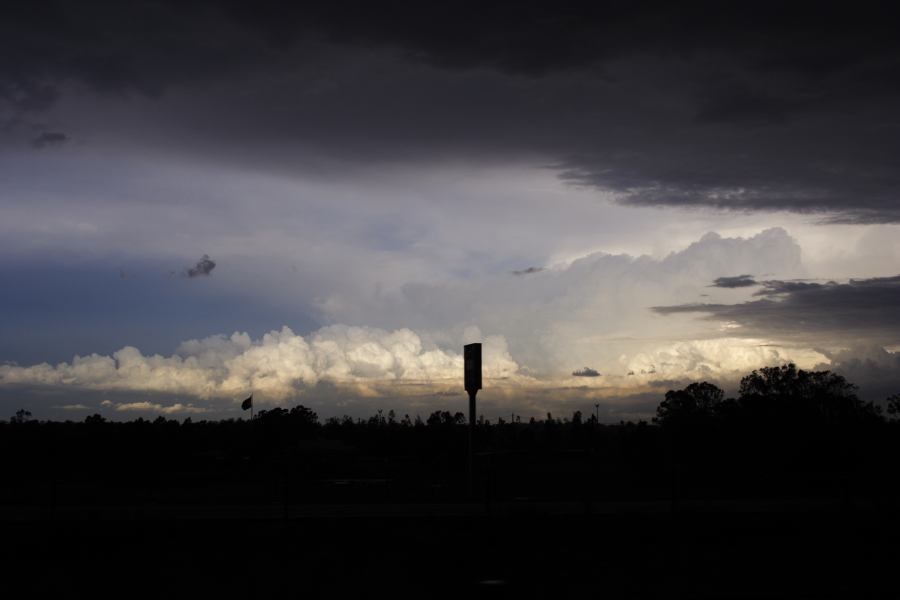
(472, 366)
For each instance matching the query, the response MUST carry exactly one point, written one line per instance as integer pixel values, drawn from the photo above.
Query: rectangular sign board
(472, 359)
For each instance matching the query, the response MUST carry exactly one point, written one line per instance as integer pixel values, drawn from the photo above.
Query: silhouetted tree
(893, 406)
(21, 416)
(300, 415)
(788, 393)
(696, 402)
(377, 420)
(444, 418)
(272, 415)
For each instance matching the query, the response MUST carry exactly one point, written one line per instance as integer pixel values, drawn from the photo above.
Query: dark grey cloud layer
(859, 310)
(50, 138)
(738, 281)
(752, 106)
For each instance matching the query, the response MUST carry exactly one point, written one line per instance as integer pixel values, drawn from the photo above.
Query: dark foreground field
(791, 490)
(520, 551)
(287, 510)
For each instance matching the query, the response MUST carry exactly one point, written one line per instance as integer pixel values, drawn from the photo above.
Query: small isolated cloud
(50, 138)
(586, 372)
(72, 407)
(738, 281)
(203, 267)
(528, 271)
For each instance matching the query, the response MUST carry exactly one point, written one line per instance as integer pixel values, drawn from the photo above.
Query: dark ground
(523, 552)
(560, 509)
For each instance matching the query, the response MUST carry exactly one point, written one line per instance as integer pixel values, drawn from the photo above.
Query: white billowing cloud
(718, 358)
(275, 367)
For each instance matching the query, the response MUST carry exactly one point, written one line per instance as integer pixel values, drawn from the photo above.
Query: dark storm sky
(455, 172)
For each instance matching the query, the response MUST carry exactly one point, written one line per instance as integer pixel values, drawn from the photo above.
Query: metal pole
(472, 370)
(472, 443)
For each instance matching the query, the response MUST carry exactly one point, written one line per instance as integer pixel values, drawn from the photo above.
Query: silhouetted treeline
(792, 478)
(773, 397)
(788, 432)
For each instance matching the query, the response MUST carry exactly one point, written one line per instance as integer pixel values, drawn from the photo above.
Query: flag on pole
(248, 403)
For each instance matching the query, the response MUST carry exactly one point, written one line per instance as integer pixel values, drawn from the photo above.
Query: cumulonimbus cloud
(587, 312)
